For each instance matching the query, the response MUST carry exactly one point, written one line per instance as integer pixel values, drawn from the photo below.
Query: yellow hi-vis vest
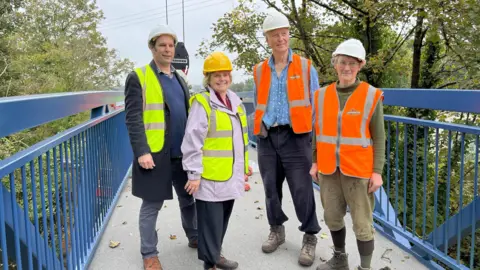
(218, 150)
(153, 113)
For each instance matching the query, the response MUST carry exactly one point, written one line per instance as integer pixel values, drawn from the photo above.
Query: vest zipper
(243, 138)
(339, 128)
(233, 148)
(339, 134)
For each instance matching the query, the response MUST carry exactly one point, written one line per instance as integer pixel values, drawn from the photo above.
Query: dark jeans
(284, 154)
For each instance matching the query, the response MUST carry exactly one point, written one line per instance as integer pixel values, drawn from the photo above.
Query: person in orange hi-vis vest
(283, 119)
(349, 153)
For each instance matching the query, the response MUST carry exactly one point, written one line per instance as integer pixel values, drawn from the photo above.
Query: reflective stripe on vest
(153, 108)
(298, 93)
(347, 146)
(218, 149)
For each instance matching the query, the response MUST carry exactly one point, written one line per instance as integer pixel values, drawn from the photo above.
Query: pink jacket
(195, 134)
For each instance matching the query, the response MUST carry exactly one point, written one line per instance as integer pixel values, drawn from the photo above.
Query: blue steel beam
(247, 94)
(434, 124)
(382, 207)
(434, 99)
(419, 245)
(35, 110)
(465, 216)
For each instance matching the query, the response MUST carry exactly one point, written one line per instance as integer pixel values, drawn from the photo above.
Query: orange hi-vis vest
(343, 137)
(298, 92)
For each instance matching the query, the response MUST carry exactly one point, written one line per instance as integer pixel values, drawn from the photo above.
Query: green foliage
(55, 47)
(242, 86)
(238, 31)
(51, 46)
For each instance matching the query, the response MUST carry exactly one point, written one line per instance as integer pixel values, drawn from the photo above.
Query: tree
(7, 25)
(238, 31)
(57, 48)
(317, 28)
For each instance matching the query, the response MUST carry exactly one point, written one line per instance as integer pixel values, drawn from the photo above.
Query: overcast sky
(128, 23)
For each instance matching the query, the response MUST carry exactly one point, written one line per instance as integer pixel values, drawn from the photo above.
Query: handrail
(24, 112)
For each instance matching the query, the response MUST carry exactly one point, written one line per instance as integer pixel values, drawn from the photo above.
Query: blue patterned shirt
(277, 105)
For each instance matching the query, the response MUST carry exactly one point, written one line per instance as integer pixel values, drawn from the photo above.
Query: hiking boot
(361, 268)
(307, 254)
(275, 239)
(152, 263)
(339, 261)
(226, 264)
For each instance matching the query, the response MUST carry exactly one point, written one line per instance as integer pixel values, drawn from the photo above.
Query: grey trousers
(149, 213)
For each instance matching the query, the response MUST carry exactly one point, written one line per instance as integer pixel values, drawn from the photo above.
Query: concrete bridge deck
(247, 230)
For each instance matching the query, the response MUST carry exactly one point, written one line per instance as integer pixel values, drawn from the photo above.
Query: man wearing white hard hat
(156, 107)
(349, 153)
(284, 85)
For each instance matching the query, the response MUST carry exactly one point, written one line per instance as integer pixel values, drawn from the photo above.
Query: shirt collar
(172, 69)
(290, 58)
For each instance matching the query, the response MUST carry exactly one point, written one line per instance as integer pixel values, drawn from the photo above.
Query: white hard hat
(274, 20)
(351, 47)
(162, 30)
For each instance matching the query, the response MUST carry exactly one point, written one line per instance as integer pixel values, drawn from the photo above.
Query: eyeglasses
(351, 64)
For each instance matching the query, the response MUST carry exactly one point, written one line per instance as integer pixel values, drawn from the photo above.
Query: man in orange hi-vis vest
(349, 153)
(284, 85)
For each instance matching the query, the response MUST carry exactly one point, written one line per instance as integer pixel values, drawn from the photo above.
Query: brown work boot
(307, 254)
(339, 261)
(275, 239)
(226, 264)
(152, 263)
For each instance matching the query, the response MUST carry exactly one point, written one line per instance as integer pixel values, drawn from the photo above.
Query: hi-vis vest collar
(298, 93)
(218, 149)
(363, 140)
(295, 76)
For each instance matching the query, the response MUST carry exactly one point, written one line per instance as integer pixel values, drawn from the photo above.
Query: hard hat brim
(205, 72)
(353, 56)
(275, 28)
(154, 38)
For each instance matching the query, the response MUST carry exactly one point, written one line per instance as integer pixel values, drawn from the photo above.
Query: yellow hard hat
(216, 61)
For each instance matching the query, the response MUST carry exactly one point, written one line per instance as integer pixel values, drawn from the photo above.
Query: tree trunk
(417, 50)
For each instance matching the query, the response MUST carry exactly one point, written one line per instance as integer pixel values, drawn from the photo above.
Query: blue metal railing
(58, 194)
(429, 203)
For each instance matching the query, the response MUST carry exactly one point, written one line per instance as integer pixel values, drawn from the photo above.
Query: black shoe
(193, 243)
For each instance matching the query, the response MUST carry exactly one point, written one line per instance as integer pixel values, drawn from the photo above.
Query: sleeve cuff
(193, 176)
(141, 153)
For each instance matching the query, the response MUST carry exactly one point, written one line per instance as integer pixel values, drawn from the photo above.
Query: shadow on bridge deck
(247, 230)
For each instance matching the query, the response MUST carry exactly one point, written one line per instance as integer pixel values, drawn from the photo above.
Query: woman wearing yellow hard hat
(215, 157)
